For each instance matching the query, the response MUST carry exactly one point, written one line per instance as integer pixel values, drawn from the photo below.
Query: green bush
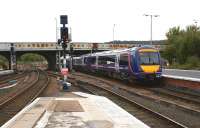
(193, 62)
(183, 46)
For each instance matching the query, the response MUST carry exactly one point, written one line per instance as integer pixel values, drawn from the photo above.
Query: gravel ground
(55, 90)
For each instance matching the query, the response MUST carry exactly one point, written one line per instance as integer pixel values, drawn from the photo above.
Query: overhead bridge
(50, 49)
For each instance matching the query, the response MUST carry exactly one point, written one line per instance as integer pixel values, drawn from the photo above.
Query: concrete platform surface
(82, 111)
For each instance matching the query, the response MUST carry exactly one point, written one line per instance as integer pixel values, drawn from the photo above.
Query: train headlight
(158, 75)
(140, 69)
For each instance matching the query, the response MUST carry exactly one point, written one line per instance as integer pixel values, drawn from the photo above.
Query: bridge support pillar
(12, 60)
(58, 66)
(51, 58)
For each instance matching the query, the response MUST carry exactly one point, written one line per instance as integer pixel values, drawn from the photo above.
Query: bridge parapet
(46, 46)
(5, 46)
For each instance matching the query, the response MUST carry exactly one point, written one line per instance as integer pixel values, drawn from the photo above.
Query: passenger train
(140, 63)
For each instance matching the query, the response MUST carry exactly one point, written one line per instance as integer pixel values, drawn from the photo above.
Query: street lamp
(114, 33)
(151, 24)
(56, 29)
(58, 51)
(196, 22)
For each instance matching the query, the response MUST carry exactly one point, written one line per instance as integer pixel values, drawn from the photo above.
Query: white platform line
(182, 78)
(182, 70)
(10, 86)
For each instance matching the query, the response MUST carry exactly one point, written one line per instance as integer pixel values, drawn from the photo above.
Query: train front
(148, 63)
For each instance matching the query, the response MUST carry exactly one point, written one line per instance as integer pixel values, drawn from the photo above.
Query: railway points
(9, 81)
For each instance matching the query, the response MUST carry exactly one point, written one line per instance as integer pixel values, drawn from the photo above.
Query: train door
(117, 63)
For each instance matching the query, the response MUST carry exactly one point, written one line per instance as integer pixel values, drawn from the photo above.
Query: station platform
(76, 110)
(190, 75)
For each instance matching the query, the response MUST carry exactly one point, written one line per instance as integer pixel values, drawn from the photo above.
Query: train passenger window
(123, 60)
(107, 60)
(91, 60)
(111, 60)
(101, 60)
(78, 61)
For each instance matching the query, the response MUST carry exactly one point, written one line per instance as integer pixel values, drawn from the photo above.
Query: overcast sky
(93, 20)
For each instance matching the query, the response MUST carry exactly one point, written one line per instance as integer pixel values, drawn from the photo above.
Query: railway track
(24, 82)
(148, 116)
(2, 78)
(7, 78)
(19, 100)
(163, 91)
(176, 106)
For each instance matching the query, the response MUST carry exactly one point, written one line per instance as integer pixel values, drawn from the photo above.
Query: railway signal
(64, 40)
(63, 19)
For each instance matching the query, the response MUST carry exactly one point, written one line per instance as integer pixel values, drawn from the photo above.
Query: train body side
(135, 63)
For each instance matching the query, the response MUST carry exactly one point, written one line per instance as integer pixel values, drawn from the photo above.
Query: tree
(182, 44)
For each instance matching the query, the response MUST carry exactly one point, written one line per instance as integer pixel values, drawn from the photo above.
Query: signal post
(64, 40)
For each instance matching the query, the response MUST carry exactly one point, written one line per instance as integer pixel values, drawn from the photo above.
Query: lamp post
(56, 29)
(58, 51)
(151, 16)
(114, 33)
(196, 22)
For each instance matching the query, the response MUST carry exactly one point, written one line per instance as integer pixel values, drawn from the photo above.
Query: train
(137, 63)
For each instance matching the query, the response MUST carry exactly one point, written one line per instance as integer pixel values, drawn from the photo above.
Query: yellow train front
(145, 63)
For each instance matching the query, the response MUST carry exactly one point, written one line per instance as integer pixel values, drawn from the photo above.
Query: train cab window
(149, 58)
(123, 60)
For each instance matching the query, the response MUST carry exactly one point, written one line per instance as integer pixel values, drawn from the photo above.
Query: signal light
(64, 33)
(64, 45)
(59, 41)
(12, 49)
(63, 19)
(71, 47)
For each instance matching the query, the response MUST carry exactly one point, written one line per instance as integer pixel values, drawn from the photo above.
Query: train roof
(113, 52)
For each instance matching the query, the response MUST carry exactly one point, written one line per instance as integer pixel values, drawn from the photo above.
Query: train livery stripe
(129, 62)
(150, 68)
(148, 50)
